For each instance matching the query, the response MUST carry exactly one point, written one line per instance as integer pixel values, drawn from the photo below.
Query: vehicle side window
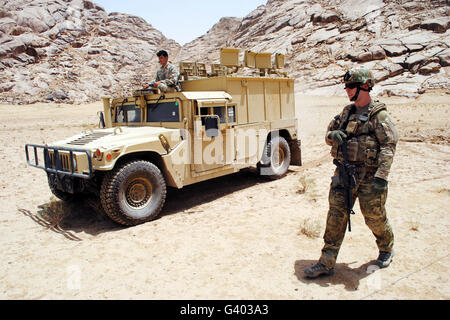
(221, 111)
(204, 111)
(231, 114)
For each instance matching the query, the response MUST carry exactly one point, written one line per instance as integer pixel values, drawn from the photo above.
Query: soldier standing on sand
(371, 141)
(167, 77)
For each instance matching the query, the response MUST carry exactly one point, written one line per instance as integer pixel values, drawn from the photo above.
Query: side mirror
(212, 126)
(101, 123)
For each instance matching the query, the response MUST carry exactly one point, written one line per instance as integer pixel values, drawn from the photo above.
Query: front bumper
(61, 161)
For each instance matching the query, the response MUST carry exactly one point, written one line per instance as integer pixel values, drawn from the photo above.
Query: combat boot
(384, 258)
(318, 270)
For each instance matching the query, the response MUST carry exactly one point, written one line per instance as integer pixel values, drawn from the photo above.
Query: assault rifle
(347, 174)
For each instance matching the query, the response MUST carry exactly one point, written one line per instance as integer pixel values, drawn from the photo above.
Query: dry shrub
(311, 228)
(414, 225)
(53, 212)
(305, 184)
(443, 191)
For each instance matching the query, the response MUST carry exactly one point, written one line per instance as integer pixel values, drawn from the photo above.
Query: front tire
(133, 193)
(61, 195)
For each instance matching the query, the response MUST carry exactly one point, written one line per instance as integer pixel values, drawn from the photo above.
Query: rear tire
(279, 159)
(133, 193)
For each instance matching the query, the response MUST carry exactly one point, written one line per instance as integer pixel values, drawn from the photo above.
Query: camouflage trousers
(372, 205)
(165, 88)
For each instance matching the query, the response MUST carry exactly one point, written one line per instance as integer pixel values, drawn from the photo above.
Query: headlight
(98, 155)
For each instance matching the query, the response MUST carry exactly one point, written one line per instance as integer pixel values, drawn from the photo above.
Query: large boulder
(444, 58)
(439, 25)
(392, 50)
(36, 18)
(432, 67)
(356, 9)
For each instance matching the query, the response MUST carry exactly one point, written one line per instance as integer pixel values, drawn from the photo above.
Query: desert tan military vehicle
(218, 124)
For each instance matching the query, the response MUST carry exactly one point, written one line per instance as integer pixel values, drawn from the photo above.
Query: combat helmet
(359, 76)
(355, 78)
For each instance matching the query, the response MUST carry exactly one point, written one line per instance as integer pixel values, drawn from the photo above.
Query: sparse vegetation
(303, 186)
(306, 184)
(311, 228)
(443, 191)
(414, 225)
(53, 211)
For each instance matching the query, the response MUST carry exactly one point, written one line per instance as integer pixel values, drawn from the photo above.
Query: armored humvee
(218, 124)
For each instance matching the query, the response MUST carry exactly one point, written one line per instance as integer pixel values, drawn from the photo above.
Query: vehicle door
(213, 141)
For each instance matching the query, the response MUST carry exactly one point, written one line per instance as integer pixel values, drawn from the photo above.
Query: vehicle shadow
(343, 274)
(86, 214)
(72, 218)
(190, 196)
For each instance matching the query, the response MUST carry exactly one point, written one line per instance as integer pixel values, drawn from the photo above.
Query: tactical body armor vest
(362, 144)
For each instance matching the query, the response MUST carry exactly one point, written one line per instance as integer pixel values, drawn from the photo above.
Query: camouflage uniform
(372, 139)
(169, 76)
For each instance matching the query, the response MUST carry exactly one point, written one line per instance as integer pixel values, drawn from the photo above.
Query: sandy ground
(238, 237)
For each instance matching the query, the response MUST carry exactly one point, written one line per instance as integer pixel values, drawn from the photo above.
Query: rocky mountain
(405, 43)
(206, 47)
(73, 51)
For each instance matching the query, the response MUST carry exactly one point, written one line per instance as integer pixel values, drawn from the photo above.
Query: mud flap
(296, 152)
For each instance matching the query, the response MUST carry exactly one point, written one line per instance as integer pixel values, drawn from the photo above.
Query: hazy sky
(182, 20)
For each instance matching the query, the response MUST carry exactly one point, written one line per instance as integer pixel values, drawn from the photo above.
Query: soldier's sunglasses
(352, 85)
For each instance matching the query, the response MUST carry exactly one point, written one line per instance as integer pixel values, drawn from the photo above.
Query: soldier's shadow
(344, 274)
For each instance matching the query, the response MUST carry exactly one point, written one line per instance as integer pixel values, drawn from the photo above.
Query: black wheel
(64, 196)
(277, 158)
(133, 193)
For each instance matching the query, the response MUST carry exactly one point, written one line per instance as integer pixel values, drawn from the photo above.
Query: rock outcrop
(405, 43)
(73, 51)
(207, 46)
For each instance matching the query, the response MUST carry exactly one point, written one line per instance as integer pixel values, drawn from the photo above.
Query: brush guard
(58, 160)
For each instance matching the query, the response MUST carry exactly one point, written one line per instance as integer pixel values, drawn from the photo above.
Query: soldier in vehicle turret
(167, 77)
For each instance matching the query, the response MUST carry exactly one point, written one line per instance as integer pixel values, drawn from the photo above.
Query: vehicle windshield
(128, 113)
(163, 112)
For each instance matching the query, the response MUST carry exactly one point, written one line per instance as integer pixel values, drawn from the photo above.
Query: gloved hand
(379, 185)
(338, 136)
